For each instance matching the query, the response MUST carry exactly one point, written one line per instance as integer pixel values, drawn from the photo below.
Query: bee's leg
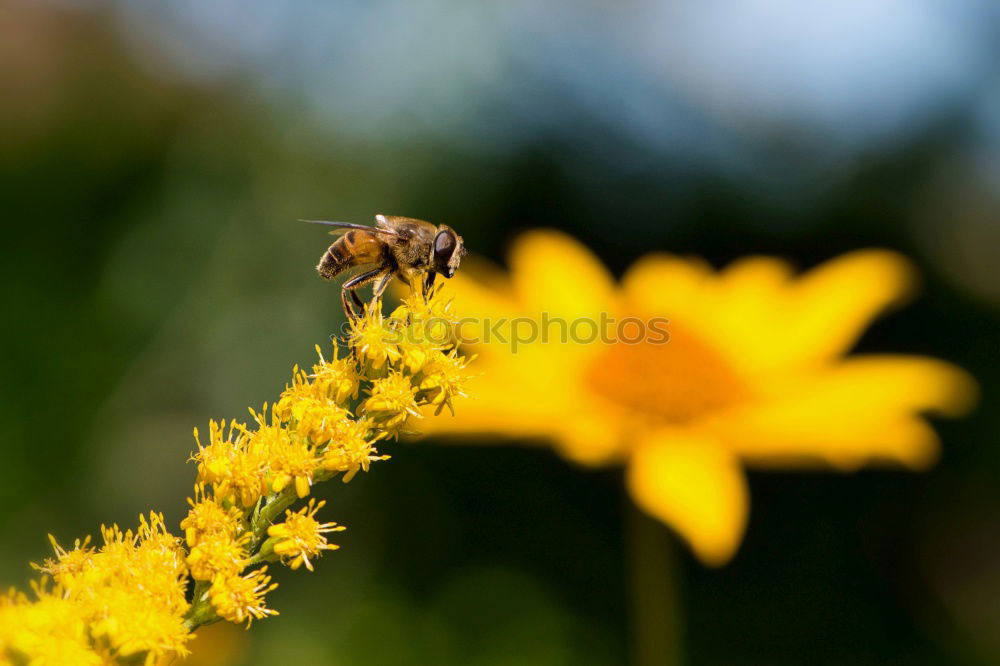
(352, 284)
(428, 283)
(380, 286)
(348, 309)
(357, 300)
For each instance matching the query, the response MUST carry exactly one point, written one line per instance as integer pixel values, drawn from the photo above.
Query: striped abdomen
(354, 248)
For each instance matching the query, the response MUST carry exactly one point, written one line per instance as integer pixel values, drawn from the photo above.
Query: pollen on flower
(337, 378)
(301, 389)
(50, 630)
(218, 553)
(132, 625)
(235, 468)
(308, 412)
(416, 308)
(208, 518)
(391, 402)
(69, 565)
(414, 355)
(291, 459)
(427, 324)
(353, 448)
(128, 595)
(239, 598)
(373, 342)
(301, 536)
(443, 379)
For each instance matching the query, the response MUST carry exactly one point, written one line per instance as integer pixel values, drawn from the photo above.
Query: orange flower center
(672, 383)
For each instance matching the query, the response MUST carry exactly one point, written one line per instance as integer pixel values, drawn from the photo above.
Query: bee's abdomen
(352, 249)
(337, 259)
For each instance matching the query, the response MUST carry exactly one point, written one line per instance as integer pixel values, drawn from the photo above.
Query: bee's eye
(444, 247)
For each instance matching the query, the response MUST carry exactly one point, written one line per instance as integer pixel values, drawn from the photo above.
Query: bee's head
(448, 251)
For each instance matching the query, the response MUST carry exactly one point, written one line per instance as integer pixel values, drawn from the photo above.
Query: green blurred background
(154, 159)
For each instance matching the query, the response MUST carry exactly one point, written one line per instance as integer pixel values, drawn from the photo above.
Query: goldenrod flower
(128, 595)
(235, 468)
(352, 448)
(392, 401)
(753, 373)
(69, 565)
(338, 378)
(308, 409)
(239, 598)
(443, 379)
(126, 601)
(133, 626)
(431, 319)
(413, 355)
(218, 553)
(301, 536)
(375, 344)
(51, 631)
(291, 459)
(208, 518)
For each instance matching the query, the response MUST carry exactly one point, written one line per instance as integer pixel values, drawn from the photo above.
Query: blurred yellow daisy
(751, 371)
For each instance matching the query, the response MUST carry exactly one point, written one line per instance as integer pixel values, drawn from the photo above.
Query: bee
(413, 250)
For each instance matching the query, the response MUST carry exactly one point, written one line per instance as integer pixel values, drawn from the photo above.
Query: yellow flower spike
(133, 626)
(214, 459)
(746, 366)
(429, 322)
(353, 449)
(315, 419)
(301, 536)
(279, 482)
(435, 306)
(70, 565)
(52, 630)
(239, 598)
(443, 379)
(414, 356)
(312, 405)
(392, 401)
(218, 553)
(127, 598)
(338, 378)
(291, 459)
(207, 518)
(373, 343)
(400, 315)
(235, 469)
(300, 390)
(124, 598)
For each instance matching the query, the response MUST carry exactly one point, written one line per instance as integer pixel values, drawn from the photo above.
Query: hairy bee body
(413, 250)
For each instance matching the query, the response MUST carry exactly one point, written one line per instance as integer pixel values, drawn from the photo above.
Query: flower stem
(267, 514)
(656, 618)
(201, 611)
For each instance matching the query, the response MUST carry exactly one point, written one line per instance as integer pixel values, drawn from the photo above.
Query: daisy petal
(696, 487)
(666, 285)
(837, 301)
(551, 271)
(864, 409)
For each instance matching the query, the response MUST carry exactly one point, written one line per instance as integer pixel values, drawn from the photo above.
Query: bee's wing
(343, 227)
(409, 226)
